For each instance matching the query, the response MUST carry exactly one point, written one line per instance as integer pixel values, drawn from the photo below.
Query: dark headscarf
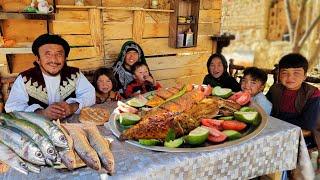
(123, 75)
(223, 61)
(50, 39)
(225, 80)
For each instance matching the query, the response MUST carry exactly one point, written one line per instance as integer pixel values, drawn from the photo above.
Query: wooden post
(137, 27)
(96, 30)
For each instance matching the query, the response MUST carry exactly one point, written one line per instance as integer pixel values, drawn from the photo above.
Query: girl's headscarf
(123, 75)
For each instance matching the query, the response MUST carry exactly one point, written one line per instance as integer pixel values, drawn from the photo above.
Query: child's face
(216, 67)
(248, 84)
(141, 73)
(292, 78)
(104, 84)
(131, 57)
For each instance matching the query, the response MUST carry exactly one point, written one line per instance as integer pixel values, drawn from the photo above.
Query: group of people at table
(56, 90)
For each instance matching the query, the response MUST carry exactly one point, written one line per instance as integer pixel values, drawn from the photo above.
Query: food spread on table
(186, 116)
(29, 140)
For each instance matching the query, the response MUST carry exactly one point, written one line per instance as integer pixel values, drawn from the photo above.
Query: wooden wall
(97, 31)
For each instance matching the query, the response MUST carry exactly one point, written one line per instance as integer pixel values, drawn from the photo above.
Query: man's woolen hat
(50, 39)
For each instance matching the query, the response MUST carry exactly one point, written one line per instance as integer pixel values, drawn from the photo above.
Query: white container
(180, 39)
(189, 38)
(79, 2)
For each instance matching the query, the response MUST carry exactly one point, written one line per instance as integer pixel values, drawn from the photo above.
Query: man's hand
(59, 110)
(69, 108)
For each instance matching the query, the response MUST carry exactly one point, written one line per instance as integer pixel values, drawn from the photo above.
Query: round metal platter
(248, 134)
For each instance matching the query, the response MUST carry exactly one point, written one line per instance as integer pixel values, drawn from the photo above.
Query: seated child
(253, 82)
(294, 100)
(105, 84)
(218, 75)
(143, 81)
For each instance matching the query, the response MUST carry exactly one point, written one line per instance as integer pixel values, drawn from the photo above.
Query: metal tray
(250, 133)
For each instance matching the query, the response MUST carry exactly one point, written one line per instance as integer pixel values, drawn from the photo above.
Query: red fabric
(287, 101)
(316, 94)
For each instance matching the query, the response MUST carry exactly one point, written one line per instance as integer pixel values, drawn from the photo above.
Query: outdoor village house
(97, 31)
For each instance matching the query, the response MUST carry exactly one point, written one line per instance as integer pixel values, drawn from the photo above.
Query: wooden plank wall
(151, 31)
(97, 31)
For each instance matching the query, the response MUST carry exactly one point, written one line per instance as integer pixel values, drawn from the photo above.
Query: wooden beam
(96, 30)
(138, 26)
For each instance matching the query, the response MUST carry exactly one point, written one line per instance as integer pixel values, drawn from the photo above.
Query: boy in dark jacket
(294, 100)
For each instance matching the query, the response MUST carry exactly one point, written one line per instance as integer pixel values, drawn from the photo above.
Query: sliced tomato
(217, 139)
(208, 90)
(235, 96)
(212, 123)
(215, 135)
(244, 98)
(234, 125)
(241, 98)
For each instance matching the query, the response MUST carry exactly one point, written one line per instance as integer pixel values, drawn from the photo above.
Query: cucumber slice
(197, 136)
(149, 142)
(232, 134)
(127, 119)
(247, 117)
(226, 118)
(174, 143)
(221, 92)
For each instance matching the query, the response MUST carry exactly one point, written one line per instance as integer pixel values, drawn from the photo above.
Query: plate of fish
(187, 118)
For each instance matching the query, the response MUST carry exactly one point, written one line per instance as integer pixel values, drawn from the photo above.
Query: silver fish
(22, 145)
(13, 160)
(36, 134)
(55, 134)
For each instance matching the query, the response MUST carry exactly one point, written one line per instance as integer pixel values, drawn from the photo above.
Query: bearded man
(51, 88)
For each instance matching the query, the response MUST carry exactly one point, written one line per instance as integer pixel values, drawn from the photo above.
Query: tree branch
(308, 31)
(298, 26)
(289, 20)
(313, 58)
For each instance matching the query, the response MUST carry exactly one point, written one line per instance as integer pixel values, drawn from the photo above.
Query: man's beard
(51, 74)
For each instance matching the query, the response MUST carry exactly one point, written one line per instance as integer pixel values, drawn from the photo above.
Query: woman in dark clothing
(218, 74)
(130, 53)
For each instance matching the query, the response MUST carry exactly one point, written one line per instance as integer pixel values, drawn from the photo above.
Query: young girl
(218, 75)
(105, 84)
(143, 81)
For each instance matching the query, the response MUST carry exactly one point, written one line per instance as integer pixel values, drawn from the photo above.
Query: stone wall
(248, 20)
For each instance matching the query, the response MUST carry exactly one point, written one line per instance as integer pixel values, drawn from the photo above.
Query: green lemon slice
(197, 136)
(174, 143)
(247, 117)
(232, 134)
(127, 119)
(135, 102)
(221, 92)
(247, 109)
(149, 142)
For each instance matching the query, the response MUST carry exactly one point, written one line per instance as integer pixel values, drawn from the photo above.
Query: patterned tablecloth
(274, 149)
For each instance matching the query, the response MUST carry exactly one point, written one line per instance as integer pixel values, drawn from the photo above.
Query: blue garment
(262, 100)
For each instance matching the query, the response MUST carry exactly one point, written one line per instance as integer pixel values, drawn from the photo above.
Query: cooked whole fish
(22, 145)
(54, 133)
(83, 148)
(181, 114)
(36, 134)
(102, 146)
